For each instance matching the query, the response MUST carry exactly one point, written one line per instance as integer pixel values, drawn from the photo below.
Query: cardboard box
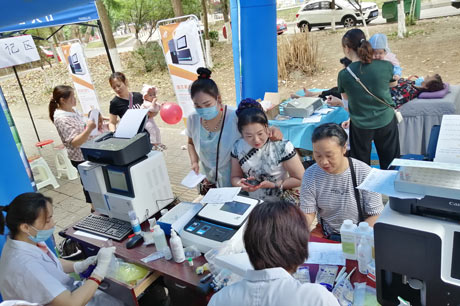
(273, 100)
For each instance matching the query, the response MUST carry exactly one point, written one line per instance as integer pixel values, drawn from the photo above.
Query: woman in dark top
(124, 99)
(371, 119)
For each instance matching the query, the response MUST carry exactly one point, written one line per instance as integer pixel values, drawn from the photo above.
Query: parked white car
(318, 13)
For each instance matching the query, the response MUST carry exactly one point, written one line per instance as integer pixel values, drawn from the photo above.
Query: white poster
(184, 55)
(76, 62)
(17, 50)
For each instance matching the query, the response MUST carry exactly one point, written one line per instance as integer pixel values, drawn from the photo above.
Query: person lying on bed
(407, 89)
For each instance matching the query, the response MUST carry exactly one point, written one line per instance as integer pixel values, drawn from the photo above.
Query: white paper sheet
(425, 164)
(88, 235)
(94, 115)
(448, 148)
(324, 111)
(130, 123)
(192, 179)
(312, 119)
(325, 254)
(221, 195)
(383, 181)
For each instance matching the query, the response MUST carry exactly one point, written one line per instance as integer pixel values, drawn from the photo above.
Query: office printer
(417, 244)
(302, 107)
(123, 175)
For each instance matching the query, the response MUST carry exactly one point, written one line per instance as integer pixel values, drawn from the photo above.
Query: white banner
(184, 55)
(17, 50)
(76, 62)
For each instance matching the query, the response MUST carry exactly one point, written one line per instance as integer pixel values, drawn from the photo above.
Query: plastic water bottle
(134, 222)
(363, 229)
(348, 236)
(177, 248)
(159, 238)
(364, 254)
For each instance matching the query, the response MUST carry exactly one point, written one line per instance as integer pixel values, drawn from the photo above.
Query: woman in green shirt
(371, 119)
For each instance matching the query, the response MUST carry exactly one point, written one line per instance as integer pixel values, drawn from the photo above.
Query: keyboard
(104, 226)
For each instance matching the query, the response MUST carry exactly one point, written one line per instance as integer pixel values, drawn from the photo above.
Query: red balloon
(171, 113)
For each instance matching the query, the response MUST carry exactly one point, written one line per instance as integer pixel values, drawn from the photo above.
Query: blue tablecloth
(300, 133)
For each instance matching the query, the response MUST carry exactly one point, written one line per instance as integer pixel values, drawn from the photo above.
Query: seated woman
(329, 186)
(276, 240)
(262, 167)
(30, 271)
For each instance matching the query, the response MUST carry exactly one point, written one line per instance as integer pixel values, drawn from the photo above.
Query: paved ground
(68, 200)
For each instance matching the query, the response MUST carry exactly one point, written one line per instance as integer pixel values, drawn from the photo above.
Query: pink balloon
(171, 113)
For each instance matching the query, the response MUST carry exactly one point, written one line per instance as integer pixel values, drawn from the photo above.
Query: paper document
(325, 254)
(448, 148)
(323, 111)
(312, 119)
(425, 164)
(88, 235)
(130, 123)
(94, 115)
(192, 179)
(383, 181)
(220, 195)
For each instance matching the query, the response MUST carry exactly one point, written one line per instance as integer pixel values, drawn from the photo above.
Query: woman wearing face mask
(30, 271)
(72, 128)
(264, 168)
(328, 191)
(212, 130)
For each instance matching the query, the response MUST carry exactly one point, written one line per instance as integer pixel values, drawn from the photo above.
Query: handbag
(205, 185)
(398, 114)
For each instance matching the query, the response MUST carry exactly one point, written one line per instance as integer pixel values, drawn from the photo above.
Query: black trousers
(386, 141)
(87, 197)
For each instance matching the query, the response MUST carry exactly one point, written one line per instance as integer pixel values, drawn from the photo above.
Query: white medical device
(216, 223)
(142, 186)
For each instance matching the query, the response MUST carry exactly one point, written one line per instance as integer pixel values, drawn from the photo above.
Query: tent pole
(27, 103)
(105, 45)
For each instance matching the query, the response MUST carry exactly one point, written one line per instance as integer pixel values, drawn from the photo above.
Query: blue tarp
(46, 13)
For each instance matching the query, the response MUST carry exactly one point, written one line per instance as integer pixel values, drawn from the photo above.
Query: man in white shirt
(276, 240)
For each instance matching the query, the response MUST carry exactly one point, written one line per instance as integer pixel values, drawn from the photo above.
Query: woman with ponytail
(365, 84)
(71, 126)
(212, 130)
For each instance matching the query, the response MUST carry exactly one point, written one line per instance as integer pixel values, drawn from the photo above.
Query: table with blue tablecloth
(300, 133)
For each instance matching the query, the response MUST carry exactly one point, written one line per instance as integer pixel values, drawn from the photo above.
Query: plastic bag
(192, 251)
(125, 272)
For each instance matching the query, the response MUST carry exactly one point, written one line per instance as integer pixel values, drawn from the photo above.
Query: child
(150, 103)
(379, 43)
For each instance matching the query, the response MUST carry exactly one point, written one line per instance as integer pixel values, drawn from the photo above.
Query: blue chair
(431, 148)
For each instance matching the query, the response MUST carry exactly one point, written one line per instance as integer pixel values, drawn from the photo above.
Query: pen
(349, 275)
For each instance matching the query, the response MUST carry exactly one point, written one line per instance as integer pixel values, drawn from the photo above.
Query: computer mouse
(134, 241)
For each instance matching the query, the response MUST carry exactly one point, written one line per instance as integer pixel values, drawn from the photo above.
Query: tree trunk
(107, 28)
(177, 7)
(401, 20)
(333, 15)
(228, 27)
(205, 19)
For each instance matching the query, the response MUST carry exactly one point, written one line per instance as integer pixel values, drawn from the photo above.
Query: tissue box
(178, 216)
(272, 100)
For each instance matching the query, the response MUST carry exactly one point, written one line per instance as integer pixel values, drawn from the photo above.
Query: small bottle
(159, 238)
(134, 222)
(348, 237)
(190, 261)
(177, 249)
(364, 254)
(362, 230)
(167, 253)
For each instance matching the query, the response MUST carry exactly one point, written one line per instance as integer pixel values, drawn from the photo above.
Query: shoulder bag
(398, 115)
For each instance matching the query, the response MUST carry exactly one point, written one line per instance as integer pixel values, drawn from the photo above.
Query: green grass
(288, 14)
(100, 44)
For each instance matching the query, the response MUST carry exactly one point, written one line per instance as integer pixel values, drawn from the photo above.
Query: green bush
(152, 56)
(213, 37)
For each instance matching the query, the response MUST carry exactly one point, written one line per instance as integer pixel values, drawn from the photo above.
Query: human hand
(104, 257)
(396, 77)
(334, 101)
(243, 183)
(266, 184)
(274, 133)
(90, 125)
(346, 124)
(82, 266)
(195, 167)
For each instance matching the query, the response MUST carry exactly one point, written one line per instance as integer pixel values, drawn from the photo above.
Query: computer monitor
(182, 42)
(118, 180)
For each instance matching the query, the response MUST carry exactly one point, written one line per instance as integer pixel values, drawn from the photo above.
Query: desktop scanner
(216, 223)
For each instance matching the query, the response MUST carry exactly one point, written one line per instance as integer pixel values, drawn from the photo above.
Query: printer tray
(429, 206)
(107, 149)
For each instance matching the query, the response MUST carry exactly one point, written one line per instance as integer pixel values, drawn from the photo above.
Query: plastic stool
(63, 164)
(43, 143)
(42, 173)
